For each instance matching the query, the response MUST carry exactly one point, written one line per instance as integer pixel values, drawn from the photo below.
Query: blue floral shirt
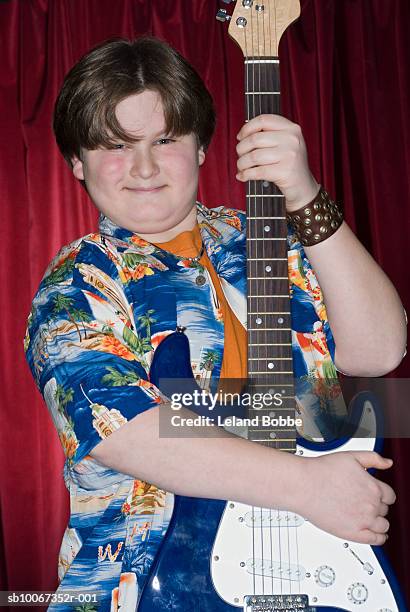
(105, 304)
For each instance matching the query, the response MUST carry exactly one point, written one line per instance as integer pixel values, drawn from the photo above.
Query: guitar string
(256, 243)
(270, 510)
(260, 235)
(274, 205)
(279, 525)
(250, 316)
(257, 315)
(265, 88)
(295, 528)
(268, 108)
(260, 222)
(280, 206)
(282, 209)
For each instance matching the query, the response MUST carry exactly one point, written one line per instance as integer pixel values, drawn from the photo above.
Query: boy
(134, 121)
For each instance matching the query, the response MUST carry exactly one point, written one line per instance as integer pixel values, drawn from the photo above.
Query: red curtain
(345, 79)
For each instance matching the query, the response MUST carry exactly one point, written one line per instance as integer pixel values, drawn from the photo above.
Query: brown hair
(84, 114)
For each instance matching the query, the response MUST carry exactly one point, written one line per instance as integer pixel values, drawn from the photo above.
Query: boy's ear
(77, 168)
(201, 156)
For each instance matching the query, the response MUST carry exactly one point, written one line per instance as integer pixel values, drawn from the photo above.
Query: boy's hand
(339, 496)
(272, 148)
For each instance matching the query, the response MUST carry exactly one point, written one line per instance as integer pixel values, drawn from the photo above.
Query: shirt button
(200, 280)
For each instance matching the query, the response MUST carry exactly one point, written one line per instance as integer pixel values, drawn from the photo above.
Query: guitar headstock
(257, 26)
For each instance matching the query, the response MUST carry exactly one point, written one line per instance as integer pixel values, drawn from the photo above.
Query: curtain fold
(345, 79)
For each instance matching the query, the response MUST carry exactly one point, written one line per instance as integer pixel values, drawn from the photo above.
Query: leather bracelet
(316, 221)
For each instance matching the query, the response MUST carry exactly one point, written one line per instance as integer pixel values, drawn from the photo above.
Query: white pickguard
(258, 551)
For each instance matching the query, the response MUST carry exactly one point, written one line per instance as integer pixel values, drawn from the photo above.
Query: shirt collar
(107, 227)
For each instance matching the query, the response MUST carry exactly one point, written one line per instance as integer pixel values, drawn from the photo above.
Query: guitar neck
(269, 323)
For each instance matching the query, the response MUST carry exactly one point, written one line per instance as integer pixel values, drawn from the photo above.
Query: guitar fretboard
(269, 324)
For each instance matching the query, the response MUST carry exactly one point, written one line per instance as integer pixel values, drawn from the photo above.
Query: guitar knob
(357, 593)
(222, 15)
(325, 576)
(228, 1)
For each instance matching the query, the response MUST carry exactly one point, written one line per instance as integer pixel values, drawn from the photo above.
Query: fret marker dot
(272, 414)
(267, 228)
(258, 321)
(271, 391)
(268, 269)
(280, 320)
(283, 391)
(265, 183)
(271, 365)
(272, 434)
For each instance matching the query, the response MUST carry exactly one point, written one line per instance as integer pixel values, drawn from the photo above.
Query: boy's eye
(118, 146)
(165, 140)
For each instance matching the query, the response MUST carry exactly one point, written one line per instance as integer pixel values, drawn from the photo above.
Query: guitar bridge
(277, 603)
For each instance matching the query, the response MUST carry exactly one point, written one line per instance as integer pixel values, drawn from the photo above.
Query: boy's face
(149, 186)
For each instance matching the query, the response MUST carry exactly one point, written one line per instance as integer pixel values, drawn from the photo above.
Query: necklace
(200, 279)
(195, 259)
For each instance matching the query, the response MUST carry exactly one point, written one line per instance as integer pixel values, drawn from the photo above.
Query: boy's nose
(143, 164)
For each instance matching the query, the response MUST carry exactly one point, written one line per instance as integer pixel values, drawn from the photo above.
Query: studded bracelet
(316, 221)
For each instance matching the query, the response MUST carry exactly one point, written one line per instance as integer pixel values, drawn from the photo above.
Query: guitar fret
(283, 409)
(270, 358)
(268, 335)
(267, 259)
(272, 344)
(252, 239)
(261, 93)
(270, 372)
(270, 329)
(265, 195)
(273, 429)
(281, 385)
(264, 218)
(290, 397)
(261, 61)
(288, 313)
(268, 381)
(273, 440)
(273, 387)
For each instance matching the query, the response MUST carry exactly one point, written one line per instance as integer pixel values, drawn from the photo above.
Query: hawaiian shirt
(103, 307)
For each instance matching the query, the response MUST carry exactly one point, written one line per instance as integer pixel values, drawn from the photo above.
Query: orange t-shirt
(234, 363)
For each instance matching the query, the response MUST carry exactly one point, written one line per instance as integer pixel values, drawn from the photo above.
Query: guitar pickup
(277, 603)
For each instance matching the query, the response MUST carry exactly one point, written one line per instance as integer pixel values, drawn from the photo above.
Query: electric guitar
(221, 556)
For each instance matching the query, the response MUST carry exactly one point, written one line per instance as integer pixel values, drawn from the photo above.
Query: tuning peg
(222, 15)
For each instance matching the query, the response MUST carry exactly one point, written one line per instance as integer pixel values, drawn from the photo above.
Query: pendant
(200, 280)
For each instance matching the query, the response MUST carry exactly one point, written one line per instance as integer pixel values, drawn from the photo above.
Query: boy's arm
(365, 313)
(227, 467)
(364, 310)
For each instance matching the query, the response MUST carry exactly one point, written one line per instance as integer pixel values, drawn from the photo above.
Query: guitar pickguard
(270, 551)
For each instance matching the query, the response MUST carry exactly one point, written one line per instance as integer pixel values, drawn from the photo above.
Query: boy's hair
(84, 113)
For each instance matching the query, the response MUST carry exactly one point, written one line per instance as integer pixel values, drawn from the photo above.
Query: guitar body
(184, 577)
(215, 552)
